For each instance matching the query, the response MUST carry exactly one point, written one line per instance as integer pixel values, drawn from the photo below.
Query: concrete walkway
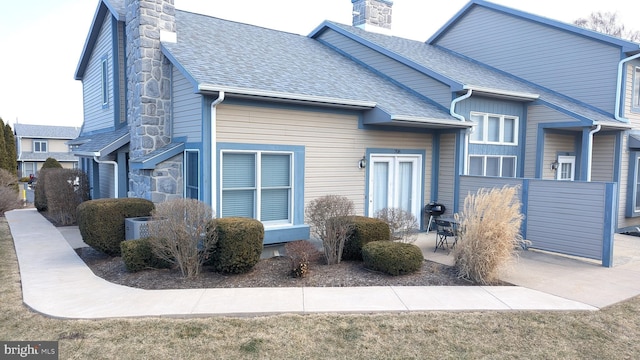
(56, 282)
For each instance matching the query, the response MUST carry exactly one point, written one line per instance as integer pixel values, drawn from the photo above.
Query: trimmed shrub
(393, 258)
(178, 234)
(65, 189)
(101, 222)
(363, 230)
(239, 244)
(51, 163)
(301, 253)
(137, 255)
(40, 195)
(489, 234)
(325, 214)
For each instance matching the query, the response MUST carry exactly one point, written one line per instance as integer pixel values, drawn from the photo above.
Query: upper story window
(39, 146)
(494, 129)
(636, 88)
(105, 82)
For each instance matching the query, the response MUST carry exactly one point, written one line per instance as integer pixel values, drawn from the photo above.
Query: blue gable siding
(187, 109)
(97, 116)
(406, 76)
(519, 47)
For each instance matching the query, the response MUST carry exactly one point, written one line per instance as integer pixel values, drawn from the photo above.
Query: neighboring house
(257, 122)
(36, 143)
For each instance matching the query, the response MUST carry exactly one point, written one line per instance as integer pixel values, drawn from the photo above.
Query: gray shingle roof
(467, 72)
(225, 53)
(101, 144)
(46, 131)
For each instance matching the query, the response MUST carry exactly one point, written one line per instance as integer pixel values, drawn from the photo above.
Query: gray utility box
(136, 228)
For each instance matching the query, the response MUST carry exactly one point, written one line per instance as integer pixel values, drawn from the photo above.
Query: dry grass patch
(608, 334)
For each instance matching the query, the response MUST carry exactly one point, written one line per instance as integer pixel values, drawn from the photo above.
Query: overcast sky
(41, 40)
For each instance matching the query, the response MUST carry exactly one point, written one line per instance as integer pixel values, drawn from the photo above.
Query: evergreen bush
(393, 258)
(239, 244)
(363, 230)
(101, 222)
(138, 255)
(65, 189)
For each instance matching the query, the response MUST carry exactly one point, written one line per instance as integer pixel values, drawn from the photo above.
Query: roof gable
(45, 131)
(116, 9)
(624, 45)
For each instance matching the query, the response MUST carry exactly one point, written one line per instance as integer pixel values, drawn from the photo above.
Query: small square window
(39, 146)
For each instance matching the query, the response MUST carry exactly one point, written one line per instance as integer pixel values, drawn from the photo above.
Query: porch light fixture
(554, 165)
(362, 163)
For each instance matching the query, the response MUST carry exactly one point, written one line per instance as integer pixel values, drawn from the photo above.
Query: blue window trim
(298, 230)
(104, 81)
(632, 193)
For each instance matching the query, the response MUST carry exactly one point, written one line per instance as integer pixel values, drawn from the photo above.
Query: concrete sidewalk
(56, 282)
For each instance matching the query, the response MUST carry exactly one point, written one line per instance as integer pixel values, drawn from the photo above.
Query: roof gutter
(361, 104)
(213, 152)
(619, 87)
(452, 108)
(115, 171)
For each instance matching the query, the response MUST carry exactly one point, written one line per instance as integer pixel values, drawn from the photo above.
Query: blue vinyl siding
(95, 115)
(410, 78)
(187, 109)
(518, 47)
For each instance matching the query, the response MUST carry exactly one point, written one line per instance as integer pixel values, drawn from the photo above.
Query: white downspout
(590, 154)
(619, 87)
(115, 172)
(452, 111)
(214, 164)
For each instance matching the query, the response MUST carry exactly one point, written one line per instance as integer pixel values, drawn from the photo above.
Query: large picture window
(257, 184)
(494, 129)
(489, 165)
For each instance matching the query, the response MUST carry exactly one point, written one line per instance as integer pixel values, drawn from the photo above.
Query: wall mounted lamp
(362, 163)
(554, 165)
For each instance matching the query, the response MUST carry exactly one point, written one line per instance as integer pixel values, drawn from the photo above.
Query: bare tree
(327, 217)
(607, 23)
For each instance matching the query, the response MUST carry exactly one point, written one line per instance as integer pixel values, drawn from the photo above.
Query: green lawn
(613, 333)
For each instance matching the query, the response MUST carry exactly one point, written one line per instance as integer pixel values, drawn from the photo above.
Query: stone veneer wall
(372, 12)
(148, 85)
(167, 180)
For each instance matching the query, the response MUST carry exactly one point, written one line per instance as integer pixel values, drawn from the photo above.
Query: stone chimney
(372, 15)
(148, 83)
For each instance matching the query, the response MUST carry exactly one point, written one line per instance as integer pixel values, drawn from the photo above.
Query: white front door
(566, 168)
(394, 182)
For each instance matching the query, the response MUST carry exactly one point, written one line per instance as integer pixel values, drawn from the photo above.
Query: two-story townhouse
(257, 122)
(36, 143)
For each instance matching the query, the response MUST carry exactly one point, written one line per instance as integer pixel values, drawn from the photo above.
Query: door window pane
(405, 185)
(381, 185)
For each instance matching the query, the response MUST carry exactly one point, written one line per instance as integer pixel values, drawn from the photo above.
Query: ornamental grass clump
(489, 234)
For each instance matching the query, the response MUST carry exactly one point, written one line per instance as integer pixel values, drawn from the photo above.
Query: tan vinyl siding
(333, 145)
(603, 158)
(446, 170)
(536, 115)
(553, 145)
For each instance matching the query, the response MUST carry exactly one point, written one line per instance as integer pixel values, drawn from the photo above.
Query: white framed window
(492, 165)
(566, 168)
(494, 129)
(39, 146)
(105, 82)
(636, 88)
(259, 185)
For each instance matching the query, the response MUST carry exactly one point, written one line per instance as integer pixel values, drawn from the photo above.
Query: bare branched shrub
(489, 234)
(65, 189)
(9, 195)
(327, 217)
(403, 225)
(301, 253)
(178, 234)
